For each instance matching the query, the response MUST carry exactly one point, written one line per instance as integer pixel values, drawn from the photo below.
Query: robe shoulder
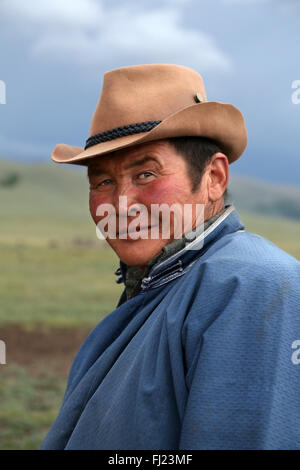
(244, 260)
(240, 338)
(244, 287)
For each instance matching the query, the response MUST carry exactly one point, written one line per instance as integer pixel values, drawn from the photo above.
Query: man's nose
(125, 196)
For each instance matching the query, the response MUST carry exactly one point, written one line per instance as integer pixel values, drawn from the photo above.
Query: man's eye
(104, 182)
(145, 174)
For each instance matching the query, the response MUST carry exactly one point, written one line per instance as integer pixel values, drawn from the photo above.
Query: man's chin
(137, 252)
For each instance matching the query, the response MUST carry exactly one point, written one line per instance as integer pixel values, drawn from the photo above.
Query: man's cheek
(158, 192)
(94, 202)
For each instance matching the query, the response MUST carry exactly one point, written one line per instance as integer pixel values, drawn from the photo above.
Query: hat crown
(142, 93)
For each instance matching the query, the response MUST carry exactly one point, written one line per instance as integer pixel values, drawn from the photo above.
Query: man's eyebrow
(141, 162)
(95, 171)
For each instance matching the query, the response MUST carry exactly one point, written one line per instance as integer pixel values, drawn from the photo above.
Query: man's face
(148, 174)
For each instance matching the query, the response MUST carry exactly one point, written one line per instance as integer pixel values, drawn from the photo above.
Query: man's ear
(218, 176)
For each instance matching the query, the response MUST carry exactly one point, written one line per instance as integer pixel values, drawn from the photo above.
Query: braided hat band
(122, 131)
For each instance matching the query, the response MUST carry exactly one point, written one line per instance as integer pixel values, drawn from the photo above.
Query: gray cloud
(88, 33)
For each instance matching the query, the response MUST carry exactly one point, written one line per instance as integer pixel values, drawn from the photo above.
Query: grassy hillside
(48, 202)
(45, 202)
(50, 189)
(265, 198)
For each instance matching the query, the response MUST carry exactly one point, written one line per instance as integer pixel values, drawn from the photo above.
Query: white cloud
(123, 35)
(58, 13)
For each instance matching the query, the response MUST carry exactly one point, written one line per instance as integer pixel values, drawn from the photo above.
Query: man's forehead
(133, 156)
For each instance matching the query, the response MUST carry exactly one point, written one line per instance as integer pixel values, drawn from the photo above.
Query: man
(201, 352)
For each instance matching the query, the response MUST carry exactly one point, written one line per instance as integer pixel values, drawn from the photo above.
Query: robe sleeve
(241, 340)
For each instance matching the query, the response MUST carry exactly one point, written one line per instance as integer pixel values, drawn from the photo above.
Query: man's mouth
(136, 230)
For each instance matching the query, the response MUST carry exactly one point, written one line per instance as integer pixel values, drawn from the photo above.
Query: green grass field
(28, 407)
(55, 273)
(42, 285)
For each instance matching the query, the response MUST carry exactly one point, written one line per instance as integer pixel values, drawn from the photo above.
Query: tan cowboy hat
(144, 103)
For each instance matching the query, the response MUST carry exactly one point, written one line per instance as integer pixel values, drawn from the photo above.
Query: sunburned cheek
(94, 202)
(161, 192)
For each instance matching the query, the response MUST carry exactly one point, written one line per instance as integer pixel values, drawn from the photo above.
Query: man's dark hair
(197, 151)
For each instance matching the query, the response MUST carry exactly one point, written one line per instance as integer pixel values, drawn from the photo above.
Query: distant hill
(35, 187)
(43, 201)
(264, 198)
(47, 204)
(55, 188)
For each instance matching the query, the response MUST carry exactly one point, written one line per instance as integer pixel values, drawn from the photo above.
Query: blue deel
(206, 356)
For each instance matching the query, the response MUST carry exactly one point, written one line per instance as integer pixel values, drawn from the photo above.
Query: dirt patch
(42, 351)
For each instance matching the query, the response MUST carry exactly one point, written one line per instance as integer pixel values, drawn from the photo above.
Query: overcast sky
(53, 54)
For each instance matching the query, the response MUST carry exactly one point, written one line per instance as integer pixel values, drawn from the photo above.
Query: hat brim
(220, 122)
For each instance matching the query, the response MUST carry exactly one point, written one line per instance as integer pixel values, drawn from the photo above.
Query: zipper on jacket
(177, 267)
